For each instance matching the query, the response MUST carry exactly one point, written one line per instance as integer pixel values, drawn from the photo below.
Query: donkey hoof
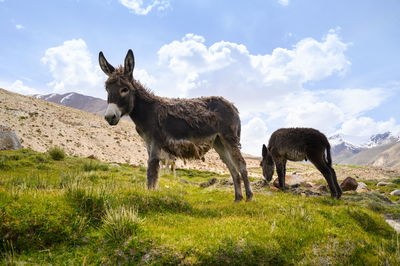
(249, 197)
(238, 199)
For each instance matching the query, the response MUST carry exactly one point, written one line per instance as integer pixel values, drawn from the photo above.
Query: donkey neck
(143, 113)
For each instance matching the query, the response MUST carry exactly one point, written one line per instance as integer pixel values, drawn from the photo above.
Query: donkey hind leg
(325, 170)
(240, 164)
(153, 167)
(224, 155)
(281, 171)
(335, 183)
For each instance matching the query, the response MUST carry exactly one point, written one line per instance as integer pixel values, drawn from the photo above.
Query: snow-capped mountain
(354, 150)
(86, 103)
(382, 139)
(342, 148)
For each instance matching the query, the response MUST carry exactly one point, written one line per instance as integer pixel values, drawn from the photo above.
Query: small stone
(382, 184)
(291, 181)
(323, 188)
(361, 187)
(115, 165)
(309, 184)
(303, 194)
(349, 183)
(273, 188)
(395, 192)
(394, 224)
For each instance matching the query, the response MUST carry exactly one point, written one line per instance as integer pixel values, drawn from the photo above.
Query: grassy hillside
(78, 211)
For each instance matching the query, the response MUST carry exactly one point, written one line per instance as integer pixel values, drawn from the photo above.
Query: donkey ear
(129, 63)
(264, 151)
(104, 65)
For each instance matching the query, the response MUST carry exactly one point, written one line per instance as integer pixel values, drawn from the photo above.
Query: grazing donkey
(166, 161)
(298, 144)
(185, 128)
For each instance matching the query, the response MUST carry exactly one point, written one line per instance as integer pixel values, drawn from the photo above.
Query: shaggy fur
(298, 144)
(185, 128)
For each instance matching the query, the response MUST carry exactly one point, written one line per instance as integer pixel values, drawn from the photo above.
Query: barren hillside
(41, 124)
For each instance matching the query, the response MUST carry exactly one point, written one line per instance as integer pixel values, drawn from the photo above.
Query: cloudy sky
(333, 65)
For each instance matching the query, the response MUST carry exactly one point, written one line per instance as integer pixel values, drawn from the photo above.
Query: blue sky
(332, 65)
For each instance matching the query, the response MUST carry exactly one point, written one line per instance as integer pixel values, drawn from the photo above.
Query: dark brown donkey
(298, 144)
(186, 128)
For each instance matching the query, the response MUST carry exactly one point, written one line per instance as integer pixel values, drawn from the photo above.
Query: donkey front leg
(281, 171)
(153, 166)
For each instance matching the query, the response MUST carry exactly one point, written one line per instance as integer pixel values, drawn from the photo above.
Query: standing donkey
(185, 128)
(298, 144)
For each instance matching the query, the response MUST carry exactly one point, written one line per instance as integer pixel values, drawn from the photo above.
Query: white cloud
(366, 126)
(19, 27)
(72, 68)
(283, 2)
(143, 7)
(18, 87)
(254, 134)
(272, 86)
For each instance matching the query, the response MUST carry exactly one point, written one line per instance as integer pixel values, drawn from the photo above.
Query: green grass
(82, 211)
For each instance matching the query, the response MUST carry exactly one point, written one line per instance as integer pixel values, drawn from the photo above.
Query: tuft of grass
(57, 153)
(4, 165)
(121, 223)
(30, 223)
(90, 202)
(95, 166)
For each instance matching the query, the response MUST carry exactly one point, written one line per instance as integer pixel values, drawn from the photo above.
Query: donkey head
(119, 86)
(267, 164)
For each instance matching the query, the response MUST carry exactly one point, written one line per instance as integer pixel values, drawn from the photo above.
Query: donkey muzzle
(113, 114)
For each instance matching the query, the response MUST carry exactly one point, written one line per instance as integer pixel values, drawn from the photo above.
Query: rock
(349, 184)
(291, 181)
(362, 187)
(394, 224)
(309, 184)
(8, 139)
(395, 192)
(382, 184)
(322, 188)
(209, 183)
(303, 194)
(115, 165)
(273, 188)
(91, 157)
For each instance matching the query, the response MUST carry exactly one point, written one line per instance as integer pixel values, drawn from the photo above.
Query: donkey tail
(328, 154)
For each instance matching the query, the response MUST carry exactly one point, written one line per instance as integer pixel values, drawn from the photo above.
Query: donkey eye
(124, 90)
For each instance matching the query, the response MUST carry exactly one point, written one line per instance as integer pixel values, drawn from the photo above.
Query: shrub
(121, 223)
(56, 153)
(95, 166)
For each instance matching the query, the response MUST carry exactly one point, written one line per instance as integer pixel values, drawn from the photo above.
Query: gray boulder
(382, 184)
(8, 139)
(395, 192)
